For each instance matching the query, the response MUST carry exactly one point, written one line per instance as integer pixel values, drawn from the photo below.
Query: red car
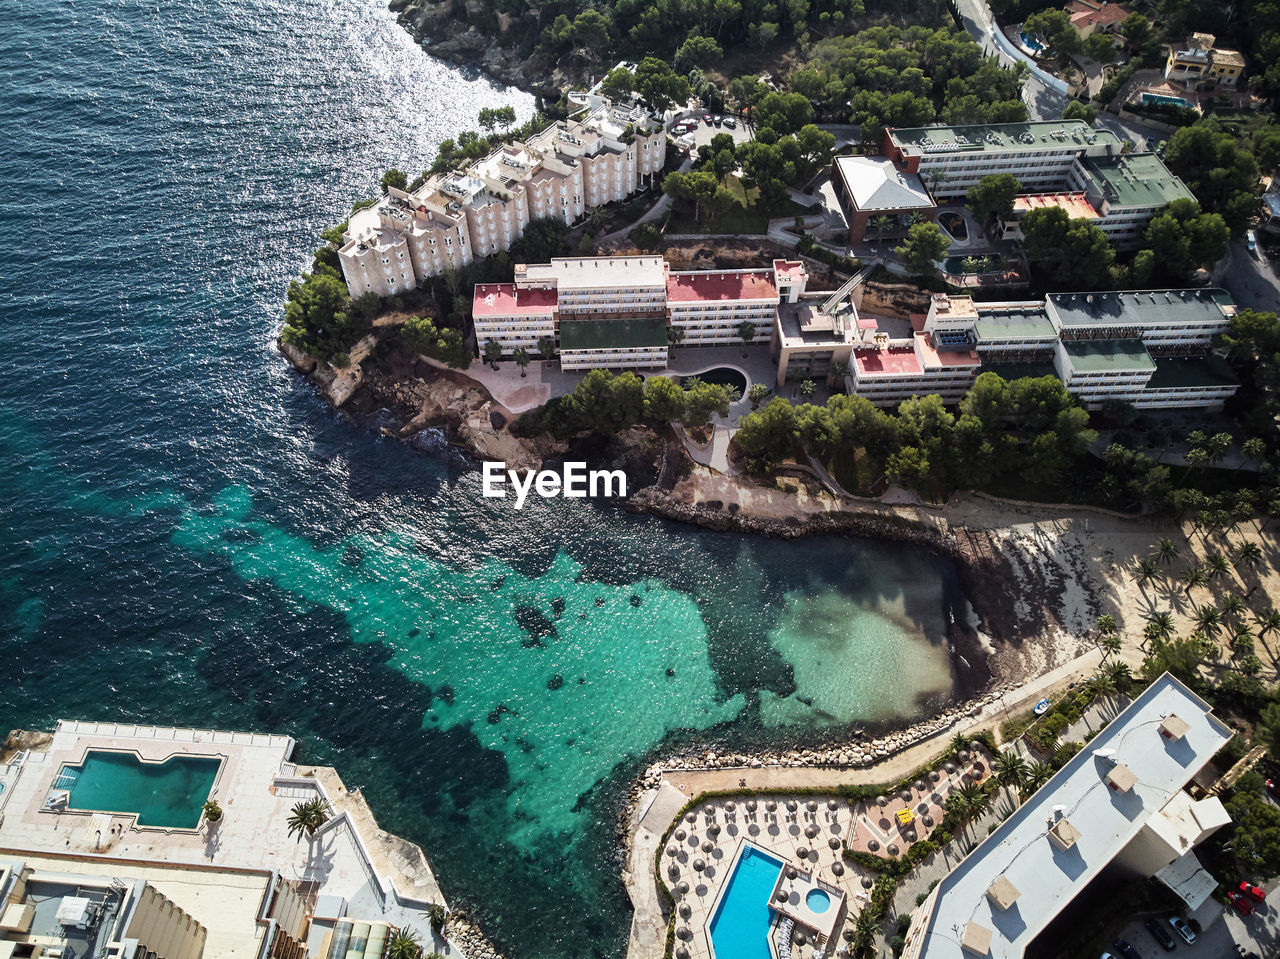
(1249, 889)
(1244, 905)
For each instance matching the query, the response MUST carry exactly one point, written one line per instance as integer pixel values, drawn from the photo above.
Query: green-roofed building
(633, 342)
(1126, 190)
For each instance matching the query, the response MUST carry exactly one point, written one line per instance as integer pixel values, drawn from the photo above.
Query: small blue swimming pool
(740, 926)
(1153, 99)
(1032, 44)
(818, 901)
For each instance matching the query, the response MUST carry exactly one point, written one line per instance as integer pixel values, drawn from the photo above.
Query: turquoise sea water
(168, 795)
(190, 536)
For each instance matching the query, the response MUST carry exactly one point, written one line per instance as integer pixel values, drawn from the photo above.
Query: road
(1260, 934)
(1042, 102)
(1251, 281)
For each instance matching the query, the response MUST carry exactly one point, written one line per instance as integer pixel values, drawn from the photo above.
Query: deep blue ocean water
(190, 536)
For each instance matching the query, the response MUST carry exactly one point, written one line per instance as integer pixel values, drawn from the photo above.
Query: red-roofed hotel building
(618, 312)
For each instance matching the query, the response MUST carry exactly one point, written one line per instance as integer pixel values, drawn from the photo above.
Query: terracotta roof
(717, 286)
(1077, 205)
(1085, 14)
(895, 360)
(503, 299)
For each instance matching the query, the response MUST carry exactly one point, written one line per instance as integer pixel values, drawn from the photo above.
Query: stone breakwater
(856, 752)
(471, 942)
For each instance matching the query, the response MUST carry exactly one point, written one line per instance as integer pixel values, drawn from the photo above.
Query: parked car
(1181, 928)
(717, 121)
(706, 118)
(1161, 933)
(1242, 903)
(1251, 241)
(1249, 889)
(1274, 788)
(731, 123)
(1126, 950)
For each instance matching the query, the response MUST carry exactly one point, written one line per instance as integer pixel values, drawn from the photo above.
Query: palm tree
(404, 944)
(970, 798)
(1040, 772)
(746, 333)
(1207, 619)
(522, 359)
(959, 744)
(675, 335)
(807, 388)
(1217, 565)
(546, 348)
(1268, 621)
(882, 224)
(1106, 623)
(437, 916)
(1160, 625)
(1194, 577)
(308, 816)
(1242, 641)
(1010, 768)
(1118, 676)
(492, 352)
(1146, 572)
(1165, 550)
(1248, 554)
(756, 394)
(1232, 606)
(1110, 643)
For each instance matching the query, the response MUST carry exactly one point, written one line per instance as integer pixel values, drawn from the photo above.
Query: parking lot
(1230, 936)
(703, 133)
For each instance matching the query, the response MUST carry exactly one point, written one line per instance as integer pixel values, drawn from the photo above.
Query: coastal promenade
(655, 812)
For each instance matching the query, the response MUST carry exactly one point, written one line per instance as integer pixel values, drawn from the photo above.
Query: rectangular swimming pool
(168, 795)
(1152, 99)
(740, 926)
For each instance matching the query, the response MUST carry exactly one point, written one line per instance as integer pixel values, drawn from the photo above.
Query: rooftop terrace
(1097, 356)
(1135, 179)
(1014, 324)
(1041, 136)
(506, 299)
(718, 287)
(613, 334)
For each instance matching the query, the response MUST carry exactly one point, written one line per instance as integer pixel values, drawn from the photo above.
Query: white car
(1182, 929)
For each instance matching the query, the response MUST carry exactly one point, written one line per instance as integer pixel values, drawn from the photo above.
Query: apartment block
(603, 154)
(620, 311)
(1127, 191)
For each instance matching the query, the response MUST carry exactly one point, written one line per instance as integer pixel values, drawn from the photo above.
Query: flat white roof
(598, 272)
(1048, 877)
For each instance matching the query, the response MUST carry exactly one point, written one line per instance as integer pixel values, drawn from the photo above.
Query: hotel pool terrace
(165, 794)
(766, 877)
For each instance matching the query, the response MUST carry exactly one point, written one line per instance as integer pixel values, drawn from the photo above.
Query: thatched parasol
(730, 806)
(751, 805)
(684, 910)
(833, 842)
(771, 805)
(708, 846)
(873, 844)
(682, 953)
(867, 882)
(811, 831)
(892, 850)
(672, 851)
(837, 868)
(680, 835)
(802, 852)
(683, 889)
(791, 805)
(713, 830)
(833, 804)
(699, 865)
(813, 806)
(934, 775)
(905, 795)
(685, 933)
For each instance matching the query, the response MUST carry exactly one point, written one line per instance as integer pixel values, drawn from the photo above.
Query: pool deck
(381, 876)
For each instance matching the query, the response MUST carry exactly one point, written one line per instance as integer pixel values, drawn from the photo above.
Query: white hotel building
(603, 154)
(617, 311)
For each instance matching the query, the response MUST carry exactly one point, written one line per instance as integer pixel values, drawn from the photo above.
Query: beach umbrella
(672, 851)
(811, 831)
(751, 805)
(713, 831)
(882, 800)
(699, 865)
(933, 775)
(963, 756)
(867, 882)
(707, 847)
(791, 805)
(837, 869)
(799, 939)
(802, 852)
(922, 808)
(978, 767)
(909, 835)
(813, 806)
(692, 817)
(682, 953)
(949, 767)
(976, 746)
(674, 872)
(833, 842)
(832, 804)
(873, 844)
(927, 820)
(730, 806)
(781, 895)
(685, 933)
(905, 795)
(683, 889)
(791, 872)
(771, 805)
(892, 850)
(680, 834)
(685, 911)
(920, 785)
